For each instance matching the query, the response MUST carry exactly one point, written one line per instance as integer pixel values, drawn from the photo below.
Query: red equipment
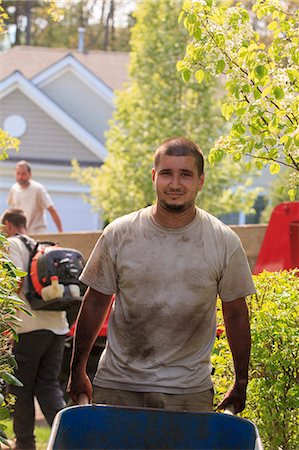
(280, 247)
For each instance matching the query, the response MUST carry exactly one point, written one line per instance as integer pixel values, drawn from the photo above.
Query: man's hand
(79, 383)
(235, 396)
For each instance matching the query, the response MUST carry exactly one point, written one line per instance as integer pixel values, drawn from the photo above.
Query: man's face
(177, 182)
(23, 176)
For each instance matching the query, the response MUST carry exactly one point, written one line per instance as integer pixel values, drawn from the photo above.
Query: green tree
(30, 16)
(157, 105)
(262, 78)
(55, 24)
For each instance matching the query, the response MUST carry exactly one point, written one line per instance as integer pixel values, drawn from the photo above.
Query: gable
(44, 138)
(90, 104)
(44, 103)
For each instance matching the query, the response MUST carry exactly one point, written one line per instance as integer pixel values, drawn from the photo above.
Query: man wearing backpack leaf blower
(40, 348)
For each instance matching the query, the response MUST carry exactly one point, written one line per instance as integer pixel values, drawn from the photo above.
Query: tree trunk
(18, 31)
(109, 19)
(103, 12)
(28, 14)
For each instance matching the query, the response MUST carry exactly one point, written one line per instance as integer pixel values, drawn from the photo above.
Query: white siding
(81, 102)
(75, 214)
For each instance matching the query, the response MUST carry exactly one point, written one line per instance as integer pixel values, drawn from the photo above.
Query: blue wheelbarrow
(95, 427)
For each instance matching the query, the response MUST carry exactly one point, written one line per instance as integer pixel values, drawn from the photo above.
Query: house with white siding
(58, 103)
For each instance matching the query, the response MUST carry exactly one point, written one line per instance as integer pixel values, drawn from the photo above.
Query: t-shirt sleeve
(236, 280)
(9, 199)
(99, 272)
(44, 198)
(16, 255)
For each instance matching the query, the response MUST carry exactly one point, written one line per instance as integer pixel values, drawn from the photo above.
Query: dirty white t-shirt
(162, 326)
(34, 200)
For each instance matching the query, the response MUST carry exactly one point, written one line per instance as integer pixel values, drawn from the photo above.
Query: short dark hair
(179, 146)
(24, 163)
(15, 216)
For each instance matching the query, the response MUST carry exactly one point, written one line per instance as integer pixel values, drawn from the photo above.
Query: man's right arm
(91, 317)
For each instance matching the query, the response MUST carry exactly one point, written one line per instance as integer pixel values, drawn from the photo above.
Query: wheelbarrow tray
(95, 427)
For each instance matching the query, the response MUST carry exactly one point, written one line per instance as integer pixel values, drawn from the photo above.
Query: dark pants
(39, 356)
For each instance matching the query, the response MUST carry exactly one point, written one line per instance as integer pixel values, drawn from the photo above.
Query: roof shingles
(110, 67)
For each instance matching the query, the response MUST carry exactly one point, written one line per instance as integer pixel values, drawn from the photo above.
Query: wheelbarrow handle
(230, 409)
(83, 399)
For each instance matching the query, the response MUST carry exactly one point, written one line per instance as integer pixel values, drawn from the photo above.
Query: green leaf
(242, 52)
(259, 165)
(284, 139)
(272, 25)
(246, 88)
(252, 47)
(180, 65)
(245, 15)
(274, 168)
(239, 129)
(266, 91)
(220, 40)
(199, 75)
(220, 66)
(181, 15)
(273, 126)
(296, 139)
(4, 413)
(278, 92)
(11, 379)
(256, 93)
(261, 71)
(12, 361)
(292, 194)
(197, 33)
(191, 18)
(271, 141)
(237, 156)
(2, 432)
(4, 441)
(187, 5)
(227, 110)
(293, 74)
(186, 74)
(240, 112)
(215, 155)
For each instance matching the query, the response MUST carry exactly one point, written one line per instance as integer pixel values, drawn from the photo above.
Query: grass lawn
(42, 434)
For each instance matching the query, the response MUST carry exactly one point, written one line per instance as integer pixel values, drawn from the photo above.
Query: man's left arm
(55, 217)
(235, 314)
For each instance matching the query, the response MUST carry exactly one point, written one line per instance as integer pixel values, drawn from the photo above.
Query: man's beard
(177, 208)
(174, 208)
(23, 183)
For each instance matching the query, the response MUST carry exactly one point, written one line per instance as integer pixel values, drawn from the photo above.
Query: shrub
(273, 389)
(9, 305)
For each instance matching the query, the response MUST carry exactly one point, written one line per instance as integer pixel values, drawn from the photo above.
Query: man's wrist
(241, 382)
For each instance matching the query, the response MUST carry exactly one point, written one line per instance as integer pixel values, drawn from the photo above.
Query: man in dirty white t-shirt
(166, 264)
